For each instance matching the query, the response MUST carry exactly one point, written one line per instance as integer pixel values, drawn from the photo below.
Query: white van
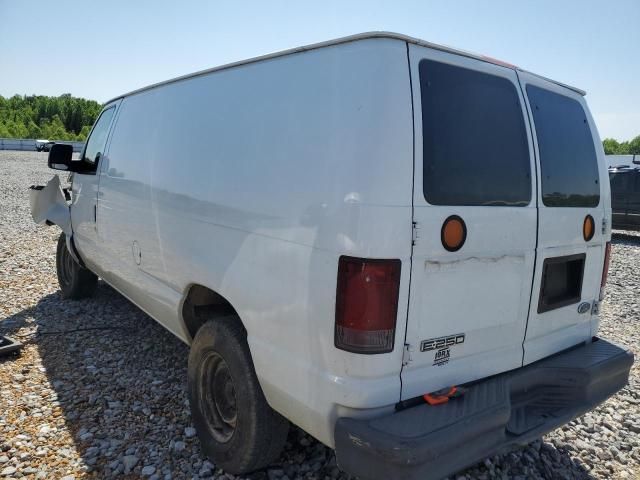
(399, 247)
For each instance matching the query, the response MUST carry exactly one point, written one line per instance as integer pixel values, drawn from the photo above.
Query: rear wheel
(75, 281)
(238, 430)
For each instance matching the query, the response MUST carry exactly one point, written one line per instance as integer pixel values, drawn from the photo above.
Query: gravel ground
(107, 398)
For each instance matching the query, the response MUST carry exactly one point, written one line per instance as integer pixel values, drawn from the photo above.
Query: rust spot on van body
(487, 260)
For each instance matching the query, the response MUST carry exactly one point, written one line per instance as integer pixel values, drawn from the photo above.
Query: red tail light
(366, 304)
(605, 269)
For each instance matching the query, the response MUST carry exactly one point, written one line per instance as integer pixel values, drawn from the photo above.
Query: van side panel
(259, 177)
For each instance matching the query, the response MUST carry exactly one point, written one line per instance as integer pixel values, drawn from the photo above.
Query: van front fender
(49, 205)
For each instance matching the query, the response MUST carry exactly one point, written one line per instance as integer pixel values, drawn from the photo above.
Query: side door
(127, 224)
(124, 208)
(84, 188)
(574, 206)
(475, 218)
(621, 184)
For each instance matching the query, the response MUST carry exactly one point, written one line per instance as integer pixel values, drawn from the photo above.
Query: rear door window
(568, 161)
(475, 144)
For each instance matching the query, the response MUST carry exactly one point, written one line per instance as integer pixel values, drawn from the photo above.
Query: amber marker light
(453, 233)
(588, 228)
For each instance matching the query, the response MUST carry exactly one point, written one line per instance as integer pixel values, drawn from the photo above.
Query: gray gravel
(111, 401)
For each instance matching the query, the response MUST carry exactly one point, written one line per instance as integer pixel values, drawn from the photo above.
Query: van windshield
(568, 161)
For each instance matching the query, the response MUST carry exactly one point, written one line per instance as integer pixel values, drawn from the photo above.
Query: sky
(99, 50)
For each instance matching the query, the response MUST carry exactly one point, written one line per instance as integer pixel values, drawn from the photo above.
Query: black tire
(237, 429)
(75, 281)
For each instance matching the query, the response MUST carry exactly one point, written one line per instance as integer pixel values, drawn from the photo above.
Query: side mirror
(636, 159)
(60, 157)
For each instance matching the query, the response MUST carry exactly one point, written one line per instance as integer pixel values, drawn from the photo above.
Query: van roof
(337, 41)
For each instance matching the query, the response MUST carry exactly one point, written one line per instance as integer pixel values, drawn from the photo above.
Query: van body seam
(413, 218)
(535, 169)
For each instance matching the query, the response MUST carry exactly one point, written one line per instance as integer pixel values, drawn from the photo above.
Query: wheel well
(201, 305)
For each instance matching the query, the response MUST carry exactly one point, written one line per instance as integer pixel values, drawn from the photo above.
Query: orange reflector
(453, 233)
(588, 228)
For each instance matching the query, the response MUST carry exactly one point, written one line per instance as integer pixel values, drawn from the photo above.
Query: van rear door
(474, 166)
(573, 199)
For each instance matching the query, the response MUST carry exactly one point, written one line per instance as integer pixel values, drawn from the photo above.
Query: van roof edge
(575, 89)
(337, 41)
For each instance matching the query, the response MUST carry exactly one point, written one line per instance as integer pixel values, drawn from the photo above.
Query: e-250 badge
(441, 342)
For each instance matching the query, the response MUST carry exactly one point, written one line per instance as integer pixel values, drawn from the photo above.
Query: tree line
(613, 147)
(54, 118)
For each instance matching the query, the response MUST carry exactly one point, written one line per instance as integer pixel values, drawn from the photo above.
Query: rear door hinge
(414, 232)
(407, 354)
(604, 226)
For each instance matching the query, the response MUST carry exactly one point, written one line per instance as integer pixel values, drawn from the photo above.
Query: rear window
(568, 161)
(475, 149)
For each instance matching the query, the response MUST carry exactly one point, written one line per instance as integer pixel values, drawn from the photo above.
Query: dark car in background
(44, 145)
(625, 196)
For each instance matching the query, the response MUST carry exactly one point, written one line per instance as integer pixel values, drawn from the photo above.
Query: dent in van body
(49, 204)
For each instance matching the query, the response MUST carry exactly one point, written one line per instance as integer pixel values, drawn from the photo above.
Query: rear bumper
(494, 415)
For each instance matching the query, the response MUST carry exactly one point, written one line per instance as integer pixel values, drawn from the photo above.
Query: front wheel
(238, 430)
(75, 281)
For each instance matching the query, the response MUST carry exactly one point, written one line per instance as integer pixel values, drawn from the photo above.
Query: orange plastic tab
(440, 397)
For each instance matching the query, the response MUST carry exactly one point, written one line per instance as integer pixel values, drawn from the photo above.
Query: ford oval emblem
(584, 307)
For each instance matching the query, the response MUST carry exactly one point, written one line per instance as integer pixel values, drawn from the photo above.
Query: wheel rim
(66, 267)
(218, 398)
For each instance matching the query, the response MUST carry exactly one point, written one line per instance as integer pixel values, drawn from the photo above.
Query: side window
(568, 161)
(475, 147)
(98, 138)
(620, 182)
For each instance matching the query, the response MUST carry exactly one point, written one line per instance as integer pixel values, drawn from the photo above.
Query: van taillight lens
(366, 304)
(605, 269)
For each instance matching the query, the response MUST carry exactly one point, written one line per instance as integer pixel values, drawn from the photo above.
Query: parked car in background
(368, 251)
(625, 196)
(621, 160)
(44, 145)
